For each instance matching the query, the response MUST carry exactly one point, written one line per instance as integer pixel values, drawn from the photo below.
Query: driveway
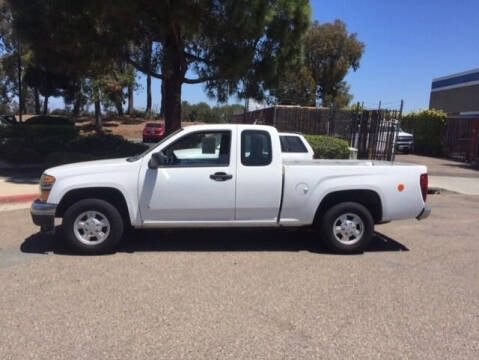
(447, 174)
(246, 294)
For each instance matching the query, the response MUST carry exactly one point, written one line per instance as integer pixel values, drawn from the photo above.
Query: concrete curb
(8, 199)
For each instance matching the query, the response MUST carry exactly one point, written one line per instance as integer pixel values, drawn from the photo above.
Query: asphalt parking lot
(246, 294)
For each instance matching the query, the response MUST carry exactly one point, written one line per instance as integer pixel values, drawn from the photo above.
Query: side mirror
(157, 159)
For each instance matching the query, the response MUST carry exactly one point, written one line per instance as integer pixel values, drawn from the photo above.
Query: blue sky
(408, 43)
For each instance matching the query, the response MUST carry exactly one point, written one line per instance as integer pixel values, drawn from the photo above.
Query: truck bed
(323, 162)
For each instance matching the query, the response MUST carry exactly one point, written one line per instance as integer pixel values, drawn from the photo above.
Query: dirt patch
(126, 126)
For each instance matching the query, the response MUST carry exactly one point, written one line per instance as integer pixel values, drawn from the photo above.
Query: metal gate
(373, 133)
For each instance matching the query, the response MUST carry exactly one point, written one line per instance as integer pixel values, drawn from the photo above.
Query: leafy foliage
(233, 46)
(202, 112)
(428, 128)
(329, 54)
(328, 147)
(296, 88)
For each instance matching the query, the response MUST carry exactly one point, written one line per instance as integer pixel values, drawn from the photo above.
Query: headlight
(46, 184)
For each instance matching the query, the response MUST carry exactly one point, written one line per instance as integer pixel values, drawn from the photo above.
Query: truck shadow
(210, 240)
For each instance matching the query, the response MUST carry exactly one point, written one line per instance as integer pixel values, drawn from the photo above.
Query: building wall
(456, 93)
(456, 100)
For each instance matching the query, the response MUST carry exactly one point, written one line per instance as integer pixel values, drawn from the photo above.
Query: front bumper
(43, 215)
(424, 214)
(404, 145)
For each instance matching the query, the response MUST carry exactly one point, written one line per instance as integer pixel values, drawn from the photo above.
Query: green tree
(296, 87)
(341, 99)
(47, 82)
(232, 46)
(330, 52)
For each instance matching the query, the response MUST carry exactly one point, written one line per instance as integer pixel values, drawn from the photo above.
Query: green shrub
(61, 158)
(428, 128)
(105, 146)
(30, 132)
(328, 147)
(61, 146)
(32, 143)
(14, 151)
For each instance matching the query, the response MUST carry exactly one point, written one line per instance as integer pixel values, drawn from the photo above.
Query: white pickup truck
(227, 176)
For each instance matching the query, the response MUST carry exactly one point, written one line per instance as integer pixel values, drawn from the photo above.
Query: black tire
(328, 224)
(105, 209)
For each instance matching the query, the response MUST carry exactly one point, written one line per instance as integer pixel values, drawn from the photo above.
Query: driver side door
(197, 182)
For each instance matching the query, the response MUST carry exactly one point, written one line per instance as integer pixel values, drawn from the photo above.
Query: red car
(153, 132)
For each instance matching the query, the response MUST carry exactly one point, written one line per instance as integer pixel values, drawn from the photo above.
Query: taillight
(423, 180)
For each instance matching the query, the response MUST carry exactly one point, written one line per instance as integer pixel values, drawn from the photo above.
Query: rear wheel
(347, 227)
(92, 226)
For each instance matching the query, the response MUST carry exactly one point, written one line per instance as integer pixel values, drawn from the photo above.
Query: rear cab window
(292, 144)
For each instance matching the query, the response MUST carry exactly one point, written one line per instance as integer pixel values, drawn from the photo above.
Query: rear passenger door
(259, 176)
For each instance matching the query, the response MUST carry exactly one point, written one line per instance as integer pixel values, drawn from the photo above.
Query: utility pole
(20, 95)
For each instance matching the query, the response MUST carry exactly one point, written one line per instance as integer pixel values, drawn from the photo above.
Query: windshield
(139, 156)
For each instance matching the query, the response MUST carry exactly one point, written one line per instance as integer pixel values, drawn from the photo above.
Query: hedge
(428, 128)
(328, 147)
(34, 132)
(61, 147)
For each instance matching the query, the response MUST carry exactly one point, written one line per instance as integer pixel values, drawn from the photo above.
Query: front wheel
(92, 226)
(347, 227)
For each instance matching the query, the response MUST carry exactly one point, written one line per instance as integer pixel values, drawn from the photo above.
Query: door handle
(221, 176)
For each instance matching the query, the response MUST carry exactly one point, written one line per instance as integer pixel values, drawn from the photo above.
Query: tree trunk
(36, 97)
(148, 50)
(148, 97)
(76, 107)
(162, 108)
(119, 107)
(174, 68)
(129, 110)
(45, 105)
(172, 104)
(98, 122)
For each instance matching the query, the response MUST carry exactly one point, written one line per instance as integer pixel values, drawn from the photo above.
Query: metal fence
(462, 138)
(306, 120)
(372, 132)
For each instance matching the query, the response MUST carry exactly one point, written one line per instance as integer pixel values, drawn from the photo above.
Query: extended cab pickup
(227, 176)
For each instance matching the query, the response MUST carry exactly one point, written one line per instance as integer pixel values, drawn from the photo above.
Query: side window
(255, 148)
(210, 148)
(292, 144)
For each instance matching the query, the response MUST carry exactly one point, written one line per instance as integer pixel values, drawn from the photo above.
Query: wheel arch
(109, 194)
(368, 198)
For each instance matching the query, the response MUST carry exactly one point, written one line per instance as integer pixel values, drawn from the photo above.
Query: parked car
(49, 120)
(295, 147)
(404, 142)
(153, 132)
(227, 176)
